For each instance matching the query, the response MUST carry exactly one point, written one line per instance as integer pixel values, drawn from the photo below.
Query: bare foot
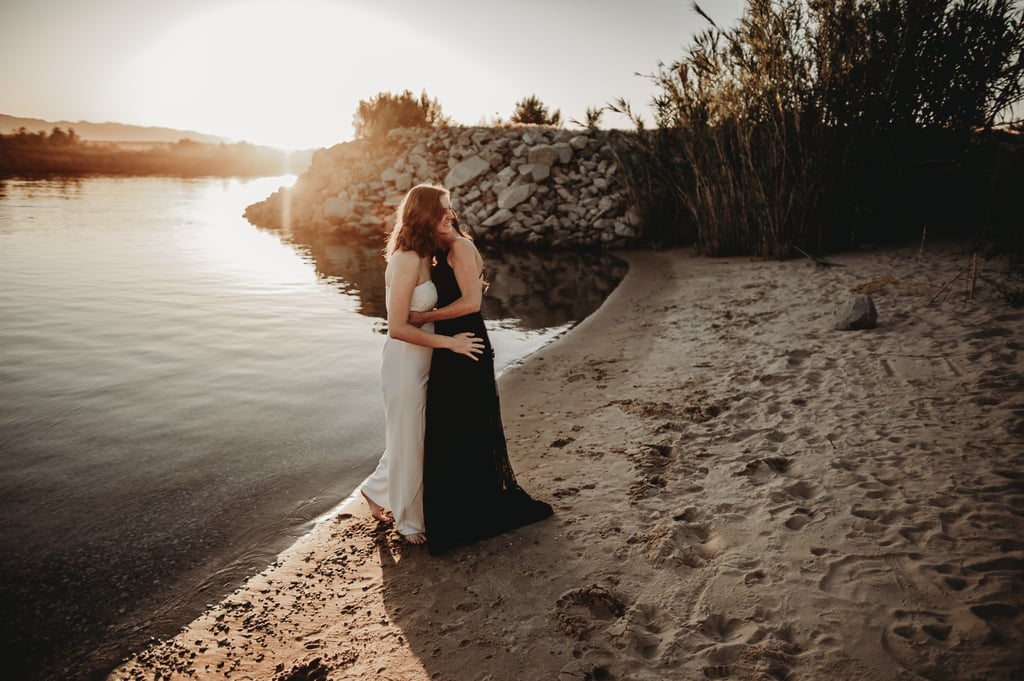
(418, 538)
(376, 510)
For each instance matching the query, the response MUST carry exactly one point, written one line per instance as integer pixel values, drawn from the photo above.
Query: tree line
(63, 152)
(386, 111)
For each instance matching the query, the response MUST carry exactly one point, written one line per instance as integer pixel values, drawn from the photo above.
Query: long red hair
(422, 209)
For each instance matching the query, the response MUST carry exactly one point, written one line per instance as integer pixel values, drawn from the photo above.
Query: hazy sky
(291, 72)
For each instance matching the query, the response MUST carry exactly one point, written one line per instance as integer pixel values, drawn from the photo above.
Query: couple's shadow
(455, 611)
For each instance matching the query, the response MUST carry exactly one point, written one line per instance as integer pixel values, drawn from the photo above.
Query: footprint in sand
(719, 628)
(642, 631)
(797, 357)
(753, 577)
(929, 641)
(743, 648)
(898, 525)
(650, 461)
(804, 490)
(948, 577)
(645, 487)
(762, 470)
(717, 671)
(801, 516)
(919, 641)
(579, 611)
(774, 660)
(1003, 622)
(978, 582)
(594, 664)
(685, 541)
(877, 490)
(314, 670)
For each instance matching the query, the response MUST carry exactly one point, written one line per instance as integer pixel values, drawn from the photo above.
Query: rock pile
(523, 185)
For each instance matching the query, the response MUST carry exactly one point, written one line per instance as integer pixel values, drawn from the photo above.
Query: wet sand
(740, 492)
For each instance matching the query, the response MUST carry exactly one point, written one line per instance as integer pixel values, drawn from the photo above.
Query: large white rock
(499, 218)
(857, 312)
(624, 230)
(507, 174)
(467, 171)
(579, 142)
(535, 171)
(337, 208)
(513, 196)
(403, 182)
(544, 154)
(496, 159)
(564, 151)
(420, 166)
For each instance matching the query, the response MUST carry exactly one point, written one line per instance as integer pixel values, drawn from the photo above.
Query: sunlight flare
(258, 259)
(287, 76)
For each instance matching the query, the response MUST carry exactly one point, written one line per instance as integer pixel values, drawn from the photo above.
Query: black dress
(469, 489)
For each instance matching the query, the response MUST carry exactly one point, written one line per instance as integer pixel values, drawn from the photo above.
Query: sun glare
(258, 259)
(288, 75)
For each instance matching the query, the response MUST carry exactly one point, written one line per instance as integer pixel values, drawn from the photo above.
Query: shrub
(591, 118)
(386, 111)
(531, 111)
(821, 123)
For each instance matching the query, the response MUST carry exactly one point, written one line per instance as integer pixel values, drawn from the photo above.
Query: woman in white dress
(397, 482)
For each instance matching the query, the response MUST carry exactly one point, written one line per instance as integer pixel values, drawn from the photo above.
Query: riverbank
(65, 154)
(741, 491)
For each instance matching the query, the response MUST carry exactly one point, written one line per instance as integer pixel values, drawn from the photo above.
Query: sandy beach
(741, 492)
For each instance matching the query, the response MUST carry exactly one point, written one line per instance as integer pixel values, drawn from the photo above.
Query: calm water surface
(182, 394)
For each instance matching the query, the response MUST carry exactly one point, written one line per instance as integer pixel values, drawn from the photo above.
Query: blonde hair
(423, 207)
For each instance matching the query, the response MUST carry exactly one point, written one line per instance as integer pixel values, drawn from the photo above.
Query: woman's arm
(468, 266)
(404, 270)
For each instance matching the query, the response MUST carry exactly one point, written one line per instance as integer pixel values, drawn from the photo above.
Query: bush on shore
(823, 124)
(386, 111)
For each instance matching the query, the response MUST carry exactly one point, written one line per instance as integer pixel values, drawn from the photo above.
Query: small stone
(856, 313)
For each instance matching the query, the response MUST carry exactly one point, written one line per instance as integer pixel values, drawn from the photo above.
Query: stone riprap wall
(523, 185)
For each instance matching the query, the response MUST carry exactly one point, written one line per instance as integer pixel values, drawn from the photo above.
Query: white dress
(397, 483)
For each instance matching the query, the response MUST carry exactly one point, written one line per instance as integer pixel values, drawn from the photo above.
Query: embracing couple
(445, 474)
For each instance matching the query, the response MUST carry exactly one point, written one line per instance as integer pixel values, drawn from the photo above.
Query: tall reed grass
(823, 123)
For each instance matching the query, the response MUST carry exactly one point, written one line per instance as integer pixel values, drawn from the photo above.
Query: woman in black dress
(469, 489)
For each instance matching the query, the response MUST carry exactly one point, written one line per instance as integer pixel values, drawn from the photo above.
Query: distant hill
(107, 132)
(32, 146)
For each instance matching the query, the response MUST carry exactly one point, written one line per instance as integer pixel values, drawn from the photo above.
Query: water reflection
(64, 187)
(528, 290)
(180, 395)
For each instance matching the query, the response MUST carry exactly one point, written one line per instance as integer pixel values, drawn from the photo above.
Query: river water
(183, 394)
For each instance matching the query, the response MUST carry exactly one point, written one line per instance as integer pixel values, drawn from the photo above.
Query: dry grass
(799, 124)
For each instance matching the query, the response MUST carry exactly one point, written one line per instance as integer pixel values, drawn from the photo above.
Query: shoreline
(740, 491)
(353, 497)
